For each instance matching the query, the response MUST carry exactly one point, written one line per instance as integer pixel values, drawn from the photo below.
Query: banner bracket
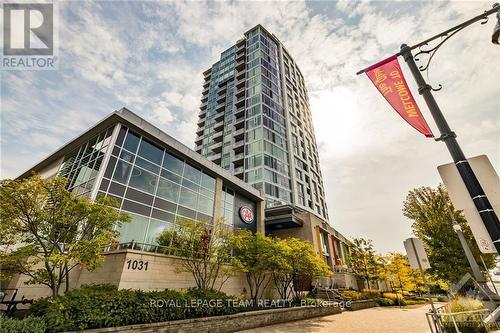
(445, 136)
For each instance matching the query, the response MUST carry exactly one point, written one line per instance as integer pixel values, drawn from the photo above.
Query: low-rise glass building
(153, 177)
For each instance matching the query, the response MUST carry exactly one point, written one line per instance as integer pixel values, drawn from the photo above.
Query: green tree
(364, 261)
(256, 255)
(47, 230)
(299, 262)
(430, 210)
(206, 250)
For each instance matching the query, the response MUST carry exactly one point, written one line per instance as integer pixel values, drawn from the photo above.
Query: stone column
(261, 215)
(218, 199)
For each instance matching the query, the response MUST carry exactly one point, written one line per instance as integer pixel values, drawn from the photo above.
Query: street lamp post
(473, 186)
(481, 202)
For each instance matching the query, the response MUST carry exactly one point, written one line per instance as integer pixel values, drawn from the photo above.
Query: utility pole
(473, 186)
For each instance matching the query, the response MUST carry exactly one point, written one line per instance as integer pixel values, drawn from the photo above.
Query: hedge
(105, 306)
(27, 325)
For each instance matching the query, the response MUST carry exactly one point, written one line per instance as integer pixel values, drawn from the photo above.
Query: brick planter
(360, 305)
(225, 324)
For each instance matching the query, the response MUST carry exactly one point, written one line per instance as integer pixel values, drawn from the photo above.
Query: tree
(396, 268)
(299, 263)
(430, 210)
(364, 261)
(47, 230)
(256, 255)
(205, 249)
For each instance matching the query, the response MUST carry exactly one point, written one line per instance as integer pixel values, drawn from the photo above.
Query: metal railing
(161, 249)
(445, 321)
(153, 248)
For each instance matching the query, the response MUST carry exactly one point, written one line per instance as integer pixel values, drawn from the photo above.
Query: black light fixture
(495, 38)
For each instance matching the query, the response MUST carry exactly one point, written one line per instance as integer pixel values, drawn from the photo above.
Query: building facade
(153, 177)
(255, 121)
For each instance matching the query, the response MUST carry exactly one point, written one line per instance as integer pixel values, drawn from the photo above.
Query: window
(206, 206)
(156, 227)
(208, 182)
(143, 180)
(172, 163)
(188, 198)
(150, 152)
(131, 142)
(168, 190)
(134, 230)
(122, 172)
(192, 174)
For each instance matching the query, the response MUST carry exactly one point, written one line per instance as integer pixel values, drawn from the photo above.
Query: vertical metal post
(475, 190)
(489, 275)
(468, 253)
(434, 312)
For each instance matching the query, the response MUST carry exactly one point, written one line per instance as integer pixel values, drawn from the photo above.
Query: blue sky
(149, 57)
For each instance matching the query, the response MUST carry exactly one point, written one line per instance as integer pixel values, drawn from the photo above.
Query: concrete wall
(132, 269)
(229, 323)
(159, 271)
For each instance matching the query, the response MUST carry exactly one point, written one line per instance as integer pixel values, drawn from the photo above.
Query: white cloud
(149, 56)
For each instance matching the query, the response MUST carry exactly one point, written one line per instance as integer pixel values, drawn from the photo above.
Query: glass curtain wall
(81, 166)
(155, 186)
(266, 164)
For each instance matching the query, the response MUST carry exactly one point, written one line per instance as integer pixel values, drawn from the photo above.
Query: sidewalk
(409, 319)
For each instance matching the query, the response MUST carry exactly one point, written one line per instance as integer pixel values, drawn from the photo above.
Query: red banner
(389, 80)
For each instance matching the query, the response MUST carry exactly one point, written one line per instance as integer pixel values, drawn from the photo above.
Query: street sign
(488, 178)
(416, 254)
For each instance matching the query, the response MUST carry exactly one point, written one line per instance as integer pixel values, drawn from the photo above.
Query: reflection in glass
(143, 180)
(172, 163)
(168, 190)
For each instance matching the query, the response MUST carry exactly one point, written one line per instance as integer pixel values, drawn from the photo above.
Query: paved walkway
(375, 320)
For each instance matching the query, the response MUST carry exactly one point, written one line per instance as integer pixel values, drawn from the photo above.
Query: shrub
(442, 299)
(385, 301)
(358, 296)
(105, 306)
(392, 296)
(27, 325)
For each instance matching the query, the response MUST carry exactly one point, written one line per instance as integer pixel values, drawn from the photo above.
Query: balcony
(203, 106)
(214, 158)
(199, 130)
(239, 123)
(239, 170)
(221, 98)
(221, 91)
(216, 148)
(240, 83)
(217, 137)
(240, 112)
(240, 65)
(240, 56)
(239, 134)
(240, 76)
(240, 92)
(218, 126)
(198, 139)
(240, 102)
(201, 122)
(220, 107)
(219, 116)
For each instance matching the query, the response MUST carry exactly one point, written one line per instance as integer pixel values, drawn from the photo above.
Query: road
(375, 320)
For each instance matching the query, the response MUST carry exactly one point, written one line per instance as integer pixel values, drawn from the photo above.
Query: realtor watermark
(242, 303)
(30, 39)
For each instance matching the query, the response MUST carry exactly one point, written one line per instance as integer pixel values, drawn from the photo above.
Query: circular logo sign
(246, 214)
